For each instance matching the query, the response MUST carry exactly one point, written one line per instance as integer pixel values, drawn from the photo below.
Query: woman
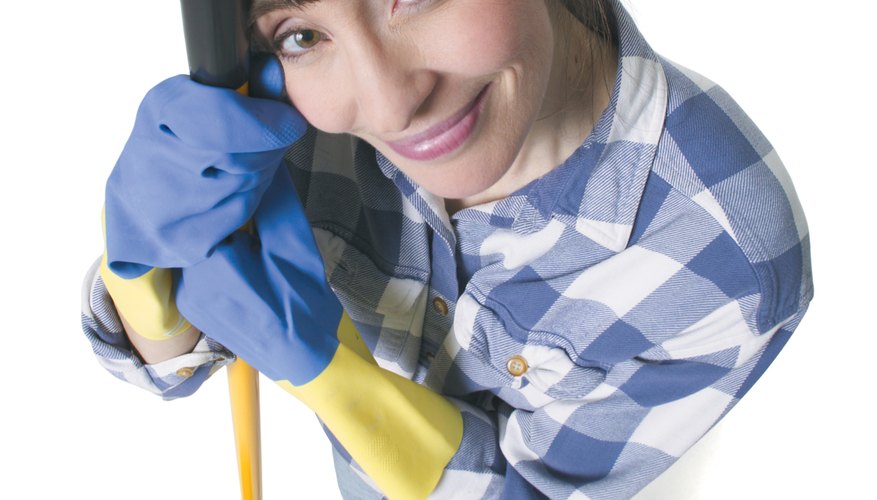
(568, 256)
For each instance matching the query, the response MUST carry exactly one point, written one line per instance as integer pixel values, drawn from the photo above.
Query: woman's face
(446, 89)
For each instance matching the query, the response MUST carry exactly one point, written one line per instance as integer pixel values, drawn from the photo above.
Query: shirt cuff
(173, 378)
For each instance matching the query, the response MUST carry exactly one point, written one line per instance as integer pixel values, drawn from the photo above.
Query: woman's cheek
(505, 33)
(322, 104)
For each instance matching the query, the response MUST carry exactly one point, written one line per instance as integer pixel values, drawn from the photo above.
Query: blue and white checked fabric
(171, 379)
(648, 282)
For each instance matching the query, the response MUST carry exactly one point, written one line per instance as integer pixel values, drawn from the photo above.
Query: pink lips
(445, 137)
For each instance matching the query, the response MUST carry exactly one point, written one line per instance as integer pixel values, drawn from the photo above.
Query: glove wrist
(401, 433)
(146, 302)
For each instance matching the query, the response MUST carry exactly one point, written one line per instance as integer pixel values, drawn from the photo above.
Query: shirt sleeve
(636, 360)
(174, 378)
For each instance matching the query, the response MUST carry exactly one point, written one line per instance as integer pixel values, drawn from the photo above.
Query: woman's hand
(265, 297)
(268, 301)
(193, 171)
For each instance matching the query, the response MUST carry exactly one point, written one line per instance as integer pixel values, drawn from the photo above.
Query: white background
(74, 75)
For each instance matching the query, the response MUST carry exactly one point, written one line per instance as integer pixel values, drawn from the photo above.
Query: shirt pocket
(526, 371)
(385, 308)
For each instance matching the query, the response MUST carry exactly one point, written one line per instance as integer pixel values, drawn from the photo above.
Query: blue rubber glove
(192, 172)
(267, 300)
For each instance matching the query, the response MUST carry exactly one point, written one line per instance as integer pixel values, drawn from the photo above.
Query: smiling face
(448, 90)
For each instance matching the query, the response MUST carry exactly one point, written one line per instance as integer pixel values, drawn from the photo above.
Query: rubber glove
(266, 298)
(192, 172)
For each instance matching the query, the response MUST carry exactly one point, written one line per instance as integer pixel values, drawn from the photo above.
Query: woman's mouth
(445, 137)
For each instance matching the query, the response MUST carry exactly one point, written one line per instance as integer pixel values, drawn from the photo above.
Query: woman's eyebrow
(262, 7)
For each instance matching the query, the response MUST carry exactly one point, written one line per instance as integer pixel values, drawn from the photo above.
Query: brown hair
(596, 15)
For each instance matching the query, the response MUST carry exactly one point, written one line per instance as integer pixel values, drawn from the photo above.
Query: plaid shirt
(592, 326)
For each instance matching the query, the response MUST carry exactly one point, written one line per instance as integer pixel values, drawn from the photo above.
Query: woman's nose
(392, 84)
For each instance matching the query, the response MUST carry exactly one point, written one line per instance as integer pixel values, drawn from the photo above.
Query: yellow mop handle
(243, 391)
(217, 50)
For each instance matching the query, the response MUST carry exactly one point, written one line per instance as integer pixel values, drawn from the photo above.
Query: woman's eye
(298, 41)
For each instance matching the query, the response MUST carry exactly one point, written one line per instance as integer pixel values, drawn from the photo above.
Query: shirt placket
(441, 298)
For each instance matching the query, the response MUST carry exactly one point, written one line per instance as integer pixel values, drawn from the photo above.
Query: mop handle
(218, 55)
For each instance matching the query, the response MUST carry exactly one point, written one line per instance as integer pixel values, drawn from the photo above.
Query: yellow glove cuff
(401, 433)
(146, 302)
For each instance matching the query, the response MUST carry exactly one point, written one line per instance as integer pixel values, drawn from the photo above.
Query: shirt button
(430, 357)
(185, 372)
(516, 365)
(440, 306)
